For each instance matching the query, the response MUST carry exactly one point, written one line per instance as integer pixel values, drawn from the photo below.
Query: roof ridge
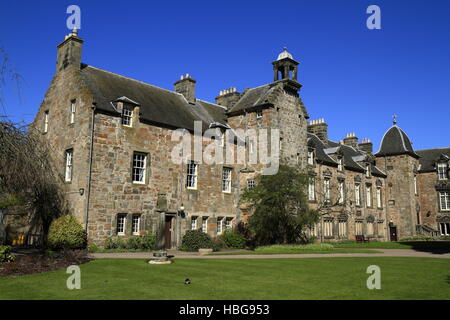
(135, 80)
(214, 104)
(432, 149)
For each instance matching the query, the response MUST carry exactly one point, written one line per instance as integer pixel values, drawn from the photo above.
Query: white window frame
(341, 192)
(72, 111)
(367, 170)
(415, 186)
(69, 166)
(327, 190)
(204, 224)
(444, 228)
(379, 198)
(135, 224)
(328, 227)
(226, 179)
(342, 229)
(139, 169)
(311, 157)
(251, 183)
(442, 171)
(220, 225)
(194, 220)
(191, 175)
(358, 194)
(369, 196)
(444, 200)
(340, 161)
(312, 189)
(46, 119)
(127, 117)
(228, 223)
(121, 224)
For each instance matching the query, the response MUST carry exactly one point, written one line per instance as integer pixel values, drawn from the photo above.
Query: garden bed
(38, 262)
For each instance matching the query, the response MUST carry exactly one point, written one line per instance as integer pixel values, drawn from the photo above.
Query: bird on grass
(187, 281)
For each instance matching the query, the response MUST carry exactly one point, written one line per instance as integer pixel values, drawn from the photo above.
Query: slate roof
(253, 97)
(428, 158)
(319, 146)
(157, 105)
(349, 155)
(396, 142)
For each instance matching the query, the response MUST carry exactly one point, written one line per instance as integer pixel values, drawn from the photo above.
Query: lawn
(418, 245)
(316, 248)
(315, 278)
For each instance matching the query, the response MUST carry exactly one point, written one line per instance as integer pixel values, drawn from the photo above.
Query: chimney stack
(366, 145)
(186, 86)
(69, 52)
(228, 98)
(319, 128)
(351, 140)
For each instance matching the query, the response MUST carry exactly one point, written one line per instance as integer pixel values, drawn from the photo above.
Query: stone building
(114, 139)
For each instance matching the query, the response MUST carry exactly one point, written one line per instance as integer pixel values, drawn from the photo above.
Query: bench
(361, 239)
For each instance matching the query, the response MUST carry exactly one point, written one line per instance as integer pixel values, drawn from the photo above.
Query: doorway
(168, 232)
(393, 233)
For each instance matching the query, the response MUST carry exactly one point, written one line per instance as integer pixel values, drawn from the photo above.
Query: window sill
(192, 188)
(226, 192)
(139, 183)
(120, 234)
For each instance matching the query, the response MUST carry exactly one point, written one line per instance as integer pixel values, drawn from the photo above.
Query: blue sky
(353, 77)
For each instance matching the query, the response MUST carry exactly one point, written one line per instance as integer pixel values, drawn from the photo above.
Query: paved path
(184, 255)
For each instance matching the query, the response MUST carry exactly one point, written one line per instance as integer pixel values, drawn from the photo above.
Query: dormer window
(340, 161)
(311, 157)
(259, 114)
(127, 117)
(442, 171)
(367, 170)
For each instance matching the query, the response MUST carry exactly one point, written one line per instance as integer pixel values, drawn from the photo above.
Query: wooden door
(168, 233)
(393, 233)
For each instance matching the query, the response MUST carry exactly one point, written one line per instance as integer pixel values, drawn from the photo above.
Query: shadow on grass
(434, 247)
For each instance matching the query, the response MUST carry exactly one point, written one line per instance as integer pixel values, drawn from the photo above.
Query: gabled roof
(396, 142)
(157, 105)
(319, 146)
(253, 97)
(428, 158)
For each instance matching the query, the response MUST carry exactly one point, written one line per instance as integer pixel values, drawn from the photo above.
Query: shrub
(145, 242)
(233, 239)
(218, 244)
(196, 239)
(417, 237)
(66, 233)
(92, 247)
(5, 254)
(148, 242)
(133, 242)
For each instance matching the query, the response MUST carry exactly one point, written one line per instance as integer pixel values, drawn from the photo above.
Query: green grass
(316, 248)
(419, 245)
(314, 278)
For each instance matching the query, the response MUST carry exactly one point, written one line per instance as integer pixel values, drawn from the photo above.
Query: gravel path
(184, 255)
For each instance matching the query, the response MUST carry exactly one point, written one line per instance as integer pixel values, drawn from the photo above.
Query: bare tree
(7, 73)
(326, 204)
(27, 173)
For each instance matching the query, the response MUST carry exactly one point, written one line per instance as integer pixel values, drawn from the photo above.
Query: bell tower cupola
(285, 67)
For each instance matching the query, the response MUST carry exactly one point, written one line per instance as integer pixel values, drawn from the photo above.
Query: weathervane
(394, 117)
